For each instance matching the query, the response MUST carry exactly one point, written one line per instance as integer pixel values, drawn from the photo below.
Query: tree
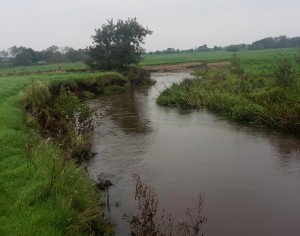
(232, 48)
(53, 55)
(3, 57)
(23, 58)
(117, 45)
(203, 48)
(75, 55)
(170, 50)
(216, 48)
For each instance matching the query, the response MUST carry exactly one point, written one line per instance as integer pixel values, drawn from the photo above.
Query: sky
(181, 24)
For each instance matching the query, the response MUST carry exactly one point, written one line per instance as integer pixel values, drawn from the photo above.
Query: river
(250, 177)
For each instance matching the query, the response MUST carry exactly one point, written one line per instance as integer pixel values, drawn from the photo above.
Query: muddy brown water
(250, 177)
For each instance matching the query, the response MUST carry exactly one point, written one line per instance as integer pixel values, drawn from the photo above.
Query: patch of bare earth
(184, 66)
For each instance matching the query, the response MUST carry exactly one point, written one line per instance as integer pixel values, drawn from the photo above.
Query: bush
(284, 71)
(138, 75)
(236, 65)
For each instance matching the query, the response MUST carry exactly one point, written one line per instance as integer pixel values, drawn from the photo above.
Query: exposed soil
(184, 66)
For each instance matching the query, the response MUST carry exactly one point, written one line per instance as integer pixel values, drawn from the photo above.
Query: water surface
(250, 177)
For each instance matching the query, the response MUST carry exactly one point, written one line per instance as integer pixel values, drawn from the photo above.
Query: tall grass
(257, 101)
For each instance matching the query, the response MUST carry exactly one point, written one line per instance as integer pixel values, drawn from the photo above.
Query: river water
(250, 177)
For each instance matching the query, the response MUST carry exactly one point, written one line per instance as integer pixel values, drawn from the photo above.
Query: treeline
(22, 56)
(277, 42)
(266, 43)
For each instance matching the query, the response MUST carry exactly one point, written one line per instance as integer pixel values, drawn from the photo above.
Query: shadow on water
(250, 176)
(126, 112)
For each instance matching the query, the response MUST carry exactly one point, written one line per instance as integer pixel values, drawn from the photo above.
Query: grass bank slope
(41, 193)
(249, 98)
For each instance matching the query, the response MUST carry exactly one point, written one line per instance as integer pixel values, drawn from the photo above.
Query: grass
(13, 71)
(253, 61)
(253, 98)
(41, 194)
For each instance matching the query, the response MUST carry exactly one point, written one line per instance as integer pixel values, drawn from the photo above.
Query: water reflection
(124, 110)
(250, 176)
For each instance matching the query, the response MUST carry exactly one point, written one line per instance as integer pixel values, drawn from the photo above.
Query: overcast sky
(179, 24)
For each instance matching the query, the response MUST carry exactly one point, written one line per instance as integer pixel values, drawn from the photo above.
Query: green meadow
(254, 61)
(253, 56)
(40, 69)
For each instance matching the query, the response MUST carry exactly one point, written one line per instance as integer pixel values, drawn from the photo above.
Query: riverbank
(255, 99)
(41, 191)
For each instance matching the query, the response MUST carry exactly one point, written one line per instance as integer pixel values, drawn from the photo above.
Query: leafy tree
(117, 45)
(216, 48)
(3, 57)
(53, 55)
(23, 58)
(75, 55)
(170, 50)
(203, 48)
(3, 54)
(232, 48)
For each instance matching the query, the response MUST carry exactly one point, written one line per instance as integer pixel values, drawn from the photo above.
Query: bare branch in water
(147, 223)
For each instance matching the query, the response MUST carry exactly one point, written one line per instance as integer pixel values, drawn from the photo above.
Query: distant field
(246, 55)
(41, 68)
(259, 61)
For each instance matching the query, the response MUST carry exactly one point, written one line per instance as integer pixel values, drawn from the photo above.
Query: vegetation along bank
(44, 188)
(264, 94)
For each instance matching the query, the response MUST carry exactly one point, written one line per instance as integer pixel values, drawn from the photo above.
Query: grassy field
(254, 61)
(256, 96)
(14, 71)
(248, 56)
(41, 194)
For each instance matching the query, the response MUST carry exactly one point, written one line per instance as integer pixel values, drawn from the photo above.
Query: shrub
(138, 75)
(236, 65)
(284, 71)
